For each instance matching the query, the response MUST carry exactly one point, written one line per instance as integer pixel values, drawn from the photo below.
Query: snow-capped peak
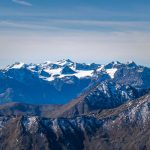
(110, 68)
(48, 62)
(17, 65)
(60, 69)
(65, 62)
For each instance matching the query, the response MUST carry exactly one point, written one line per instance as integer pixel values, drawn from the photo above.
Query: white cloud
(22, 2)
(24, 25)
(80, 25)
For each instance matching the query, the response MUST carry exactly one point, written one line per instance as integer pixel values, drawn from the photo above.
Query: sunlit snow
(111, 72)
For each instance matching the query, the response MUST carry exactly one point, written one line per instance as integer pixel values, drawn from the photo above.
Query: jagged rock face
(45, 74)
(125, 127)
(138, 77)
(84, 66)
(106, 95)
(67, 70)
(110, 95)
(39, 133)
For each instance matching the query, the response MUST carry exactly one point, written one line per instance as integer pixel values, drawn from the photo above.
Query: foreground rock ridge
(124, 127)
(103, 107)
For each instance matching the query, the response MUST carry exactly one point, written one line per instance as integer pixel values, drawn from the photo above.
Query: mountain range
(66, 105)
(62, 81)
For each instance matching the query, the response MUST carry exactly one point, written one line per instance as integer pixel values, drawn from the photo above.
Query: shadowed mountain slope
(125, 127)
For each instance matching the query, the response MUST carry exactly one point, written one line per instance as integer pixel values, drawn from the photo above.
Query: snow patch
(101, 68)
(55, 125)
(30, 122)
(111, 72)
(82, 74)
(1, 122)
(56, 73)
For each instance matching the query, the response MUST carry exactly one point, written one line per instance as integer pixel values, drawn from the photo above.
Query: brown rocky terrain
(121, 128)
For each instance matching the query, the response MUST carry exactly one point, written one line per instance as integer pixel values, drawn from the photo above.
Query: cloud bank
(22, 2)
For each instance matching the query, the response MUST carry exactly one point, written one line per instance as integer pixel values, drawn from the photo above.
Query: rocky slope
(105, 95)
(121, 128)
(19, 109)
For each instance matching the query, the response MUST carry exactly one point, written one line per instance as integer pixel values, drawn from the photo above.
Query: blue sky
(82, 30)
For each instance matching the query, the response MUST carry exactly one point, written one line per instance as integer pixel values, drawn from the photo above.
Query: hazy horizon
(84, 31)
(87, 62)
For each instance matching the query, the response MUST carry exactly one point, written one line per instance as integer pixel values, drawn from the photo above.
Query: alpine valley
(66, 105)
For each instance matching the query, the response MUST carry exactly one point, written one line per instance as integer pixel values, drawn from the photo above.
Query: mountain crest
(131, 64)
(67, 70)
(17, 65)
